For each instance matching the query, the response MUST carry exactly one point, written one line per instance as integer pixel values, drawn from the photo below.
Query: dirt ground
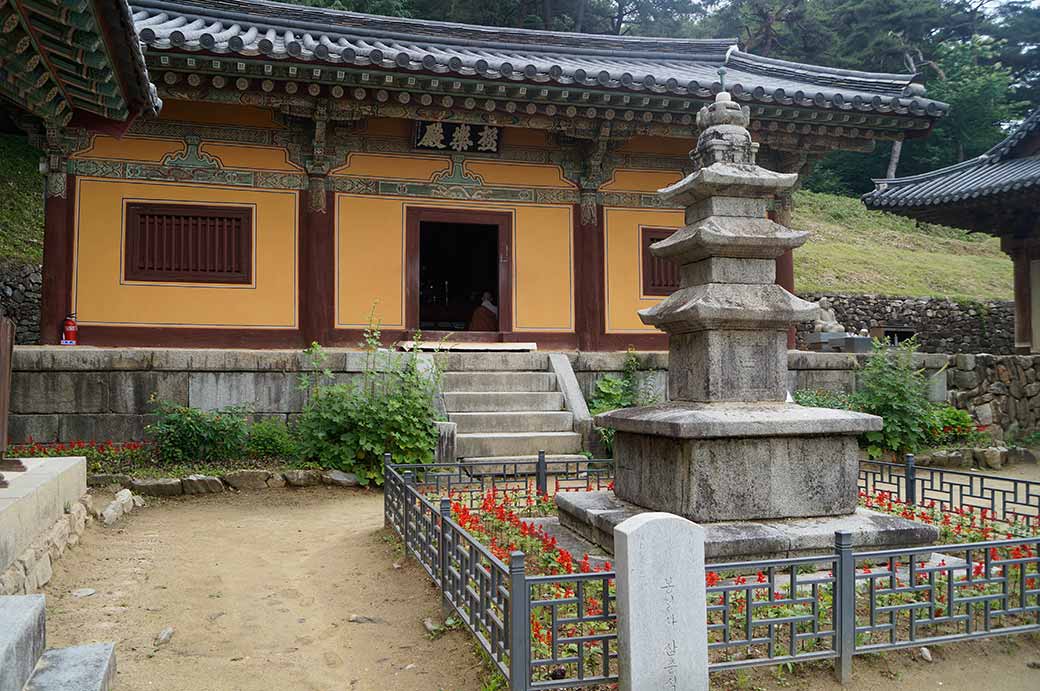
(260, 589)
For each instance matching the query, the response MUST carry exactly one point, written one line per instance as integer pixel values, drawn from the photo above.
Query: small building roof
(63, 56)
(650, 65)
(967, 194)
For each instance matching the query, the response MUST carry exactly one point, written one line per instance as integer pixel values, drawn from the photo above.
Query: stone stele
(728, 447)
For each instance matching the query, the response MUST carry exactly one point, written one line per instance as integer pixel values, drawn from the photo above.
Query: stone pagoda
(764, 476)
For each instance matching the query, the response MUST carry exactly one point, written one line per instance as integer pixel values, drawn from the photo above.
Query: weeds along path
(259, 589)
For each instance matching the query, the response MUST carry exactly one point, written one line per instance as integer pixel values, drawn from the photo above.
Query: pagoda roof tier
(995, 192)
(62, 56)
(609, 72)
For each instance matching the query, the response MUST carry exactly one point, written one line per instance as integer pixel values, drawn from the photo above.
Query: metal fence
(560, 631)
(1013, 502)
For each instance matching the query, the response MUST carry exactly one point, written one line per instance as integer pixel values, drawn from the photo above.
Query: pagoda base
(593, 515)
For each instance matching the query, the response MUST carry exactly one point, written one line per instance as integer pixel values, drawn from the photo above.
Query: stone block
(202, 484)
(661, 603)
(247, 479)
(41, 428)
(157, 487)
(302, 478)
(965, 361)
(23, 638)
(728, 365)
(112, 513)
(59, 392)
(994, 457)
(82, 668)
(1018, 454)
(107, 480)
(749, 478)
(104, 426)
(339, 478)
(276, 481)
(446, 442)
(129, 392)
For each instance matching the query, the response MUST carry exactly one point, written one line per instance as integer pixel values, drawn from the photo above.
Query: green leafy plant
(951, 426)
(389, 409)
(613, 392)
(822, 398)
(893, 388)
(188, 435)
(271, 439)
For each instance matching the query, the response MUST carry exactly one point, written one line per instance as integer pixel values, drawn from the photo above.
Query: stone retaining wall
(942, 326)
(20, 299)
(1001, 391)
(34, 566)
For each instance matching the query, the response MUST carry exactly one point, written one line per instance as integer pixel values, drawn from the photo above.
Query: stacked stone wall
(942, 326)
(20, 286)
(1000, 391)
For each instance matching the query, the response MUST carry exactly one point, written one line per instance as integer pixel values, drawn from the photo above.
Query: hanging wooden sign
(456, 136)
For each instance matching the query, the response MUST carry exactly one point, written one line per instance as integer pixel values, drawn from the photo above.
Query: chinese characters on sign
(671, 649)
(457, 137)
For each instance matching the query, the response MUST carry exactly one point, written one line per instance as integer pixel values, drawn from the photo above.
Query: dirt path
(259, 589)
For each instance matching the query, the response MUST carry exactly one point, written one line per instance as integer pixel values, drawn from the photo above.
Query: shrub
(269, 440)
(892, 388)
(951, 426)
(614, 392)
(389, 410)
(189, 435)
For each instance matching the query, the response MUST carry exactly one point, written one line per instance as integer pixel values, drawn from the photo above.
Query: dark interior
(457, 263)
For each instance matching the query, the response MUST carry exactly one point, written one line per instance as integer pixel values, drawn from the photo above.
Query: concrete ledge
(683, 420)
(35, 500)
(79, 668)
(593, 515)
(23, 638)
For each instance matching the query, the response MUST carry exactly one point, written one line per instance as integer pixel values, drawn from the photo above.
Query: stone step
(513, 421)
(492, 362)
(79, 668)
(492, 401)
(516, 443)
(23, 637)
(571, 464)
(498, 381)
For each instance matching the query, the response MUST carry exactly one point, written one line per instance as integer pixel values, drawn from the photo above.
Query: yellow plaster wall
(503, 173)
(154, 150)
(217, 114)
(623, 264)
(370, 243)
(641, 180)
(251, 157)
(101, 296)
(394, 166)
(130, 148)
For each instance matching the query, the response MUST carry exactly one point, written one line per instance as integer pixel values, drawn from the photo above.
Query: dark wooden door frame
(415, 216)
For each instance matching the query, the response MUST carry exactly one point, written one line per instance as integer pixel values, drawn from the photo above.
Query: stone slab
(247, 479)
(36, 499)
(688, 420)
(157, 487)
(79, 668)
(661, 603)
(202, 484)
(23, 638)
(594, 515)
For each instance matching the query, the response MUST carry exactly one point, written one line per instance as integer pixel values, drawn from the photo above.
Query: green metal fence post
(911, 480)
(844, 605)
(409, 486)
(541, 475)
(519, 625)
(443, 556)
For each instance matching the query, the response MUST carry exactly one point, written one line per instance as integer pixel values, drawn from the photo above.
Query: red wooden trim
(504, 221)
(188, 337)
(189, 257)
(660, 276)
(589, 310)
(58, 240)
(317, 285)
(545, 340)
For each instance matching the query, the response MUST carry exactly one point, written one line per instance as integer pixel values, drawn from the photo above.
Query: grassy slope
(853, 250)
(21, 201)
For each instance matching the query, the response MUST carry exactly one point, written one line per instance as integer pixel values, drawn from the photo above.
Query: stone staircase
(507, 408)
(25, 665)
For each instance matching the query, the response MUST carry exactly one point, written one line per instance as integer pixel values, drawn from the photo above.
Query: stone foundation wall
(34, 566)
(1000, 391)
(20, 299)
(942, 326)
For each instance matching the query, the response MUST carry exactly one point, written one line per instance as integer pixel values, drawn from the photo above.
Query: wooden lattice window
(660, 276)
(189, 243)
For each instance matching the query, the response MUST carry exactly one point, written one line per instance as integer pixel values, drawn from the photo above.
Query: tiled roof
(654, 65)
(998, 171)
(60, 56)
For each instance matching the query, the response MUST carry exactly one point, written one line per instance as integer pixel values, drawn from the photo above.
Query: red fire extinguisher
(69, 331)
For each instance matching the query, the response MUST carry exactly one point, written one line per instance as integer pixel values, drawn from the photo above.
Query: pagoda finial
(722, 78)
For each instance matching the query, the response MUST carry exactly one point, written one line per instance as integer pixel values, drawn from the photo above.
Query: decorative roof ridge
(808, 71)
(1024, 129)
(142, 96)
(317, 20)
(883, 184)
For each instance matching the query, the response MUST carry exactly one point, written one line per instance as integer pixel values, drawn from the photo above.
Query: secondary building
(311, 170)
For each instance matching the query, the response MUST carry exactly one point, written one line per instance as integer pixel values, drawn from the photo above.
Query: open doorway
(459, 272)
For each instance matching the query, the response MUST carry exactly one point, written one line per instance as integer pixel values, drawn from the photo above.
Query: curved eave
(680, 67)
